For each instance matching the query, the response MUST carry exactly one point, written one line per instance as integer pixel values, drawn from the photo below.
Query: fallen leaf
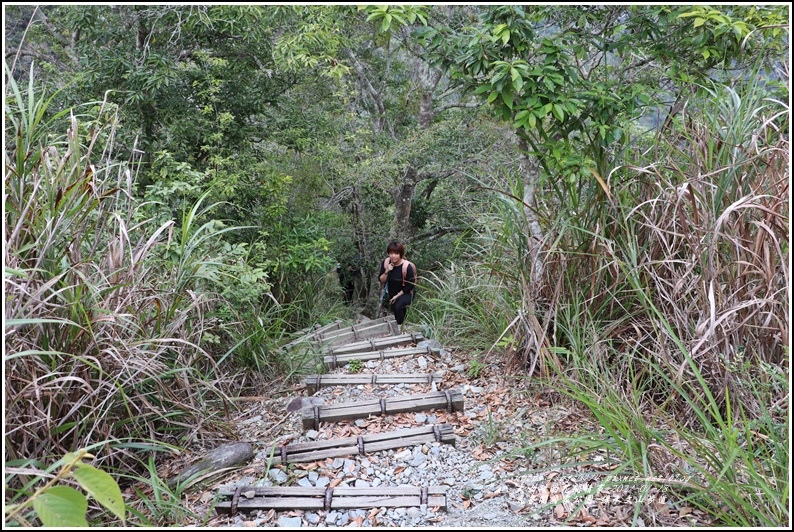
(686, 510)
(544, 494)
(335, 482)
(559, 511)
(493, 494)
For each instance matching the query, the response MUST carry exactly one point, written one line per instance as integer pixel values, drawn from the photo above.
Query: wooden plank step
(373, 344)
(325, 335)
(307, 334)
(317, 333)
(334, 360)
(252, 498)
(451, 400)
(353, 445)
(315, 382)
(357, 333)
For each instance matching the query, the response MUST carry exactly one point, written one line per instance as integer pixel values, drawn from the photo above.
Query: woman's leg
(400, 307)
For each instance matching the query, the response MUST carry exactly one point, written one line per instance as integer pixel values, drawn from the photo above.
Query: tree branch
(382, 122)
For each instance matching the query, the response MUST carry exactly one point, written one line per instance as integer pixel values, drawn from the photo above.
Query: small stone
(361, 483)
(418, 459)
(361, 423)
(322, 482)
(305, 482)
(485, 475)
(290, 522)
(277, 475)
(312, 518)
(312, 434)
(404, 455)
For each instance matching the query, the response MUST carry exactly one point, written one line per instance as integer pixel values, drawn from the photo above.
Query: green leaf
(559, 112)
(61, 506)
(493, 96)
(699, 22)
(507, 97)
(101, 487)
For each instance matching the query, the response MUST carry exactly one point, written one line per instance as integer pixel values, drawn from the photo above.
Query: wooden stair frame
(252, 498)
(360, 445)
(338, 345)
(451, 400)
(334, 360)
(315, 382)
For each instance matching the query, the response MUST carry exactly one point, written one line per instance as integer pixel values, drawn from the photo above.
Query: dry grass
(102, 336)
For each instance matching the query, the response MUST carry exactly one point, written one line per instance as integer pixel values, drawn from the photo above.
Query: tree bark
(403, 196)
(535, 236)
(404, 193)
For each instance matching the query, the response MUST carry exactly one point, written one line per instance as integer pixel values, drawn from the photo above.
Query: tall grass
(663, 308)
(679, 346)
(102, 337)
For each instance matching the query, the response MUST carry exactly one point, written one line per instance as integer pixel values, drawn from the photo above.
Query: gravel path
(491, 481)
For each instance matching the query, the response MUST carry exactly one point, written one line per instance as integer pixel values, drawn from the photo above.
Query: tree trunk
(403, 195)
(535, 236)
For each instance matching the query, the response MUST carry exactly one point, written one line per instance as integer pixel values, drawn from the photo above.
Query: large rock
(228, 455)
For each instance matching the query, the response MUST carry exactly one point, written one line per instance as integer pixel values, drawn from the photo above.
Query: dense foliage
(599, 192)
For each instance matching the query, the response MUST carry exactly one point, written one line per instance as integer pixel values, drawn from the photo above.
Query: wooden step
(354, 445)
(307, 334)
(451, 400)
(317, 334)
(373, 344)
(357, 333)
(252, 498)
(315, 382)
(334, 360)
(327, 335)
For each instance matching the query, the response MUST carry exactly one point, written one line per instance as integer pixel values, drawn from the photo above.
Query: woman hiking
(399, 276)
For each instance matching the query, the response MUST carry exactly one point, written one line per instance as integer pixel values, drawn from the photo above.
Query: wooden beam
(252, 498)
(315, 382)
(373, 344)
(355, 445)
(451, 400)
(334, 360)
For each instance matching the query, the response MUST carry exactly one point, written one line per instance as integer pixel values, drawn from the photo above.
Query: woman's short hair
(395, 247)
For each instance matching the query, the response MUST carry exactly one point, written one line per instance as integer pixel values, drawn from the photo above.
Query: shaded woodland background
(599, 194)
